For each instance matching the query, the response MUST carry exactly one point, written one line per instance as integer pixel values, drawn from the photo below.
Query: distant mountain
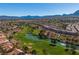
(76, 13)
(8, 17)
(61, 17)
(30, 17)
(24, 17)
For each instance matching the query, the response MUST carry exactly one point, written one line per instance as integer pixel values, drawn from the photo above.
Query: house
(8, 47)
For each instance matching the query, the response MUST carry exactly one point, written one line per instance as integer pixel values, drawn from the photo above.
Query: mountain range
(75, 14)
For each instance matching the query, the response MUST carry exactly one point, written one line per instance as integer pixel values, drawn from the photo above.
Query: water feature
(30, 36)
(36, 38)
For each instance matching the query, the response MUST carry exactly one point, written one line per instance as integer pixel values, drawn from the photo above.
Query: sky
(37, 9)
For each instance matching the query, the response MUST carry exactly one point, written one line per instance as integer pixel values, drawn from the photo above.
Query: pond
(36, 38)
(30, 36)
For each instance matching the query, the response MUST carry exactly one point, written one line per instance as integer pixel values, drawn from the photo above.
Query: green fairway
(39, 44)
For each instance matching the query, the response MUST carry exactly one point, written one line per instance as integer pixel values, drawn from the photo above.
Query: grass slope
(39, 45)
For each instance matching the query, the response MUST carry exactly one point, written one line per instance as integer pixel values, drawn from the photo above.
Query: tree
(41, 34)
(25, 49)
(53, 42)
(34, 52)
(45, 51)
(73, 46)
(67, 44)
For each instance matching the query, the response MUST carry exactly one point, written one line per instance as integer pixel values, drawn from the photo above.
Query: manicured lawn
(39, 44)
